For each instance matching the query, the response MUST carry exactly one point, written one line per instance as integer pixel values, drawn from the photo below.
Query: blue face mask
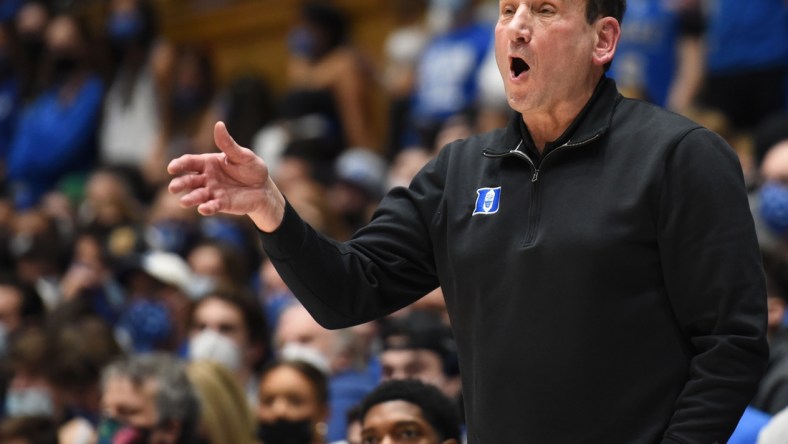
(147, 323)
(774, 207)
(124, 27)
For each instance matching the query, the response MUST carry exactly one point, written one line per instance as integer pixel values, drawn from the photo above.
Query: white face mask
(32, 401)
(300, 352)
(211, 345)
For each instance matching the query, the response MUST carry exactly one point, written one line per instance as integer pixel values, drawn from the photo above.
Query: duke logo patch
(487, 200)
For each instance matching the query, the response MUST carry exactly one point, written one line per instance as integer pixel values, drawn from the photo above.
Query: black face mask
(286, 432)
(6, 66)
(32, 46)
(64, 65)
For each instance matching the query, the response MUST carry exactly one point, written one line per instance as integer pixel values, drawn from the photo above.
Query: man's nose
(279, 408)
(521, 24)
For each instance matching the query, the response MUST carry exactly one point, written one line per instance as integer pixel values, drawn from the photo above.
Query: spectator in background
(337, 352)
(170, 227)
(747, 60)
(37, 249)
(111, 211)
(20, 307)
(191, 109)
(29, 391)
(134, 105)
(660, 55)
(148, 398)
(248, 105)
(358, 187)
(56, 133)
(225, 417)
(421, 347)
(408, 411)
(156, 313)
(10, 91)
(323, 61)
(216, 263)
(228, 326)
(293, 407)
(31, 22)
(446, 80)
(402, 49)
(77, 349)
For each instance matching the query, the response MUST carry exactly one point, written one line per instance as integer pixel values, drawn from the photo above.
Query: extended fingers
(186, 183)
(189, 163)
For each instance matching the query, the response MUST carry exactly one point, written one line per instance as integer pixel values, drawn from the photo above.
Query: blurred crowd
(125, 318)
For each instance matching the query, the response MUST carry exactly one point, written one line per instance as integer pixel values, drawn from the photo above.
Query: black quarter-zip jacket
(613, 295)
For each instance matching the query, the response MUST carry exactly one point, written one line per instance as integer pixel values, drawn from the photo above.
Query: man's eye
(369, 440)
(409, 433)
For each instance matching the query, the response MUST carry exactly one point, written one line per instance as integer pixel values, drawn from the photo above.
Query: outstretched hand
(234, 181)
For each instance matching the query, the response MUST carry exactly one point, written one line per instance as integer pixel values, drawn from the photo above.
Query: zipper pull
(535, 176)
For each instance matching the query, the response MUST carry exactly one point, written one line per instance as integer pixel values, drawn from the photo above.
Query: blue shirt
(52, 140)
(745, 36)
(646, 54)
(447, 72)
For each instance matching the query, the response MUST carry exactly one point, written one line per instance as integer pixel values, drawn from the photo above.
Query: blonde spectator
(225, 417)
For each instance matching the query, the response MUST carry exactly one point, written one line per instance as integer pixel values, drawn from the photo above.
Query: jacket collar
(591, 123)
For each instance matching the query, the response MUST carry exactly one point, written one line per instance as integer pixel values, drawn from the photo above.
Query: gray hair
(175, 396)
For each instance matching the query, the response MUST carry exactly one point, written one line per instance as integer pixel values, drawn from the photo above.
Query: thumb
(234, 152)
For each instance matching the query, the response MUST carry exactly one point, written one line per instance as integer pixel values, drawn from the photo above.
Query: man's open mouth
(518, 66)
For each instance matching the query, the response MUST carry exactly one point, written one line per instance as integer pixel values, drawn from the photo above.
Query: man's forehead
(395, 410)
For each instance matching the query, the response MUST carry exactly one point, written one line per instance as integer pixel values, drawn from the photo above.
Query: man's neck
(547, 126)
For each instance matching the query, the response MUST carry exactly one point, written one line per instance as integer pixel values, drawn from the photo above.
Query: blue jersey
(745, 36)
(53, 139)
(447, 72)
(646, 57)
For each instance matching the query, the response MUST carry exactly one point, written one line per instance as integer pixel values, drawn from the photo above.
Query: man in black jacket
(597, 256)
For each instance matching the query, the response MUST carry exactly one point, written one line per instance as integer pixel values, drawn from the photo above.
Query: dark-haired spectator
(20, 305)
(148, 398)
(55, 138)
(339, 353)
(227, 325)
(421, 347)
(323, 60)
(408, 411)
(29, 391)
(293, 406)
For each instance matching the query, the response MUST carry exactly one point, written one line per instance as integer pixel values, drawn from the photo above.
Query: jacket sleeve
(714, 279)
(385, 266)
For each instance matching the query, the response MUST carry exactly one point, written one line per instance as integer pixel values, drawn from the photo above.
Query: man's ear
(608, 32)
